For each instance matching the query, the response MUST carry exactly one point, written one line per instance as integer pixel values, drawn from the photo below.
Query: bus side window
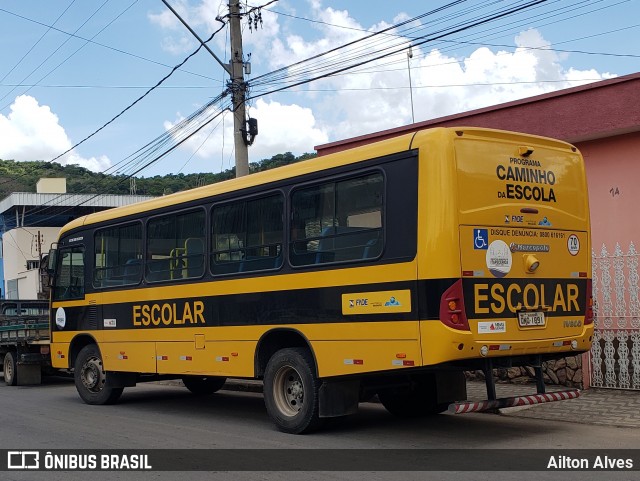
(247, 235)
(118, 255)
(342, 221)
(175, 245)
(194, 253)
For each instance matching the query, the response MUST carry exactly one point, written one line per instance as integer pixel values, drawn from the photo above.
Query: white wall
(19, 246)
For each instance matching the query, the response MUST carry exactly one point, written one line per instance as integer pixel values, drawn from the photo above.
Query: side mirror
(51, 260)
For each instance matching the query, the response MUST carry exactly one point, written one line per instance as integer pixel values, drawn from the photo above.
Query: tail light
(452, 313)
(588, 314)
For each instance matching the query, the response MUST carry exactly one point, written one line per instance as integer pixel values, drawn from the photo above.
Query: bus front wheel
(203, 386)
(91, 380)
(291, 391)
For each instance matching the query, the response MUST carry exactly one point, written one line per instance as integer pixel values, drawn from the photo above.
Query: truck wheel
(203, 385)
(291, 391)
(10, 368)
(91, 381)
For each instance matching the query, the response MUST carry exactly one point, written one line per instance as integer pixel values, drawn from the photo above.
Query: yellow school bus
(387, 269)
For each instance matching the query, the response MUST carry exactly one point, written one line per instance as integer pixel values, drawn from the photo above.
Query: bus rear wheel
(202, 386)
(91, 380)
(9, 368)
(416, 400)
(291, 391)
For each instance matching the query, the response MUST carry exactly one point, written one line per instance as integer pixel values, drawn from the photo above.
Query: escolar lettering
(167, 314)
(497, 298)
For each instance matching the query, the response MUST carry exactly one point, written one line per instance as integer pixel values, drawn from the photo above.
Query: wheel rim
(8, 369)
(288, 391)
(92, 375)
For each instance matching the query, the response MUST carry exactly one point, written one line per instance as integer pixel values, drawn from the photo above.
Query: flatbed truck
(24, 341)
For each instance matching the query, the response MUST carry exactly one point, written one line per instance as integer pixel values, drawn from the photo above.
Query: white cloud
(353, 103)
(167, 20)
(32, 132)
(281, 128)
(178, 45)
(284, 128)
(445, 85)
(203, 16)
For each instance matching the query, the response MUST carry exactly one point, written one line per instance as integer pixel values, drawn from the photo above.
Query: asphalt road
(160, 416)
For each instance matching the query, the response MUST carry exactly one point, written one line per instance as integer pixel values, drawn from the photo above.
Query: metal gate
(615, 355)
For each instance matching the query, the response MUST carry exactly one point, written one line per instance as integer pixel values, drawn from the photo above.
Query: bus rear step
(508, 402)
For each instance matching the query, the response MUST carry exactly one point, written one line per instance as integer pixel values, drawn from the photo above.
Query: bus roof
(373, 150)
(369, 151)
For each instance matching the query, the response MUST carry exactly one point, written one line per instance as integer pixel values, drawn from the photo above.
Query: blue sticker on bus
(481, 239)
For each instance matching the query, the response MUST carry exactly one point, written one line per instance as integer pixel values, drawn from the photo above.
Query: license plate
(531, 319)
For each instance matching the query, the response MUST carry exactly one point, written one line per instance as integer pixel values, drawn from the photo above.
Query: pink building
(603, 120)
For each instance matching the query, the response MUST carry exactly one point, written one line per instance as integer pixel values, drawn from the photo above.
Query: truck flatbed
(24, 340)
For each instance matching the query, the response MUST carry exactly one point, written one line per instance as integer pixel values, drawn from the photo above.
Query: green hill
(23, 176)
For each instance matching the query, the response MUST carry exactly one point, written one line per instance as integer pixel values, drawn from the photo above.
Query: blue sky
(56, 89)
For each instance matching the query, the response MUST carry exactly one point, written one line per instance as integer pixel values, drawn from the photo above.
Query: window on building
(247, 235)
(33, 265)
(12, 289)
(175, 246)
(118, 256)
(337, 221)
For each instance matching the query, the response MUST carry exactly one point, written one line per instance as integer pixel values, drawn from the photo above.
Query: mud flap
(28, 374)
(122, 379)
(338, 398)
(450, 386)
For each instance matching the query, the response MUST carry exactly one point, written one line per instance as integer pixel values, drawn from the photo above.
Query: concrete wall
(613, 172)
(53, 185)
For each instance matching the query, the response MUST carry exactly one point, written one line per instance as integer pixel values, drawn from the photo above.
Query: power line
(288, 70)
(457, 42)
(56, 50)
(114, 49)
(425, 39)
(37, 42)
(478, 84)
(569, 9)
(367, 43)
(115, 87)
(145, 156)
(79, 48)
(139, 98)
(129, 107)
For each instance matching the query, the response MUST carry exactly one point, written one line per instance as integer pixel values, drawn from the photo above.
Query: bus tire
(10, 369)
(203, 385)
(91, 380)
(291, 391)
(411, 402)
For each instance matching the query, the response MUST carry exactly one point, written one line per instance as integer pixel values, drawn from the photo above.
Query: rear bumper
(441, 344)
(530, 400)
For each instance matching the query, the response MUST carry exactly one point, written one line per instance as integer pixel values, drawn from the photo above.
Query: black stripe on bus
(324, 305)
(299, 306)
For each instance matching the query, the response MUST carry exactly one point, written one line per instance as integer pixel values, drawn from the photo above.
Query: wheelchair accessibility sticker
(481, 239)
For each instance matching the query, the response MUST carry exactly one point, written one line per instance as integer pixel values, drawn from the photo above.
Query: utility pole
(244, 132)
(238, 88)
(409, 57)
